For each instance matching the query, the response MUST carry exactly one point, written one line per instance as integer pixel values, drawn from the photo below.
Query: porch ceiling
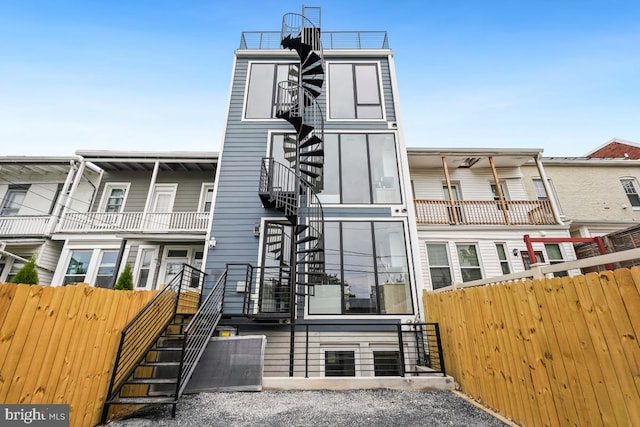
(475, 160)
(146, 165)
(33, 168)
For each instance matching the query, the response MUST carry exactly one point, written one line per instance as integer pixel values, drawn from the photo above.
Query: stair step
(314, 139)
(143, 400)
(166, 349)
(306, 239)
(312, 164)
(149, 364)
(152, 381)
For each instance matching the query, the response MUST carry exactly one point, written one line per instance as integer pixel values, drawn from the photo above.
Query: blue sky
(154, 74)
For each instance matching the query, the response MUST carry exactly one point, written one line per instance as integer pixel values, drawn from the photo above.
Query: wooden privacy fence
(557, 352)
(57, 344)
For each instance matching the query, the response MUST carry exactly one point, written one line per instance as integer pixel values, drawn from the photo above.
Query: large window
(13, 200)
(354, 91)
(206, 197)
(439, 267)
(358, 168)
(367, 270)
(387, 363)
(263, 88)
(469, 262)
(630, 186)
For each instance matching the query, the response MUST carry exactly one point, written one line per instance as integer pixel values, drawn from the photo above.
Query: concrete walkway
(369, 408)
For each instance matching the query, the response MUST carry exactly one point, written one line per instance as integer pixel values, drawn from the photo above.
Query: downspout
(454, 211)
(57, 213)
(547, 188)
(499, 189)
(74, 188)
(152, 184)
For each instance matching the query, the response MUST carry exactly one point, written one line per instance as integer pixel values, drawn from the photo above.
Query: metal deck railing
(330, 40)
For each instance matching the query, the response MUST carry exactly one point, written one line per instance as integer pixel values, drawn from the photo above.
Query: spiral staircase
(292, 188)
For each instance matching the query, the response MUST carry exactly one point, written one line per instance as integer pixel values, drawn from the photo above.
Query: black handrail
(140, 334)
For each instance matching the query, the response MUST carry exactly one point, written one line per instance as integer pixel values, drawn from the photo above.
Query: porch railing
(35, 225)
(330, 40)
(333, 349)
(134, 221)
(484, 212)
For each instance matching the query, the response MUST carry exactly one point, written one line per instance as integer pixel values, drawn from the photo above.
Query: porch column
(547, 188)
(64, 193)
(152, 184)
(499, 189)
(74, 187)
(448, 181)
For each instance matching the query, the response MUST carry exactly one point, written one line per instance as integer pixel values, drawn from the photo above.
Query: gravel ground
(316, 408)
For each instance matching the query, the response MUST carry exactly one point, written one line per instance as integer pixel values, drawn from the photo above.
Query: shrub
(125, 281)
(28, 274)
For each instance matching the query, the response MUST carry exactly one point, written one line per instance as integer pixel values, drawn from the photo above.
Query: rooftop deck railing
(484, 212)
(330, 40)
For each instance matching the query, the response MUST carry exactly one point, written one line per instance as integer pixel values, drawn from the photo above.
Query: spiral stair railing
(292, 189)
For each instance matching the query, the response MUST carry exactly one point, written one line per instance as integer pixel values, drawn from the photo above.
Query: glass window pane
(393, 270)
(339, 364)
(369, 112)
(355, 177)
(359, 277)
(77, 268)
(501, 252)
(553, 251)
(367, 84)
(260, 92)
(386, 363)
(331, 191)
(468, 256)
(13, 200)
(341, 98)
(328, 297)
(437, 254)
(384, 169)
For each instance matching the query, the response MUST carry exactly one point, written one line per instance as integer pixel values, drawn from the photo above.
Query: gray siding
(187, 195)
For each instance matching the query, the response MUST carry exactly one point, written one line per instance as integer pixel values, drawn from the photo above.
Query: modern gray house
(313, 215)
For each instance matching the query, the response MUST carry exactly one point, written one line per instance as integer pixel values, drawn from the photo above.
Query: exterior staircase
(292, 188)
(160, 348)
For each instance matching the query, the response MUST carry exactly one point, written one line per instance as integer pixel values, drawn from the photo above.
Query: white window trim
(380, 86)
(106, 191)
(94, 263)
(506, 254)
(636, 186)
(154, 266)
(458, 270)
(203, 195)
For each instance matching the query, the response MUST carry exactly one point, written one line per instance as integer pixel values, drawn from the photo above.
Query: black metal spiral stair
(292, 189)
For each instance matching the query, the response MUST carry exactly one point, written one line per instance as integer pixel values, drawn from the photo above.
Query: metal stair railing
(199, 331)
(140, 334)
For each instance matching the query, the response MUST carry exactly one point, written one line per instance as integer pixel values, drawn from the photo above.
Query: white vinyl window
(206, 197)
(469, 262)
(106, 269)
(263, 88)
(114, 197)
(439, 267)
(145, 264)
(502, 257)
(630, 186)
(554, 256)
(77, 267)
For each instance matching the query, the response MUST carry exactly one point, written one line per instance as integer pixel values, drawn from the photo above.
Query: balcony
(484, 212)
(19, 226)
(132, 222)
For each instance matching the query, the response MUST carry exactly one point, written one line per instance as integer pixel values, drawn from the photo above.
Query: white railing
(24, 225)
(134, 222)
(484, 212)
(541, 271)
